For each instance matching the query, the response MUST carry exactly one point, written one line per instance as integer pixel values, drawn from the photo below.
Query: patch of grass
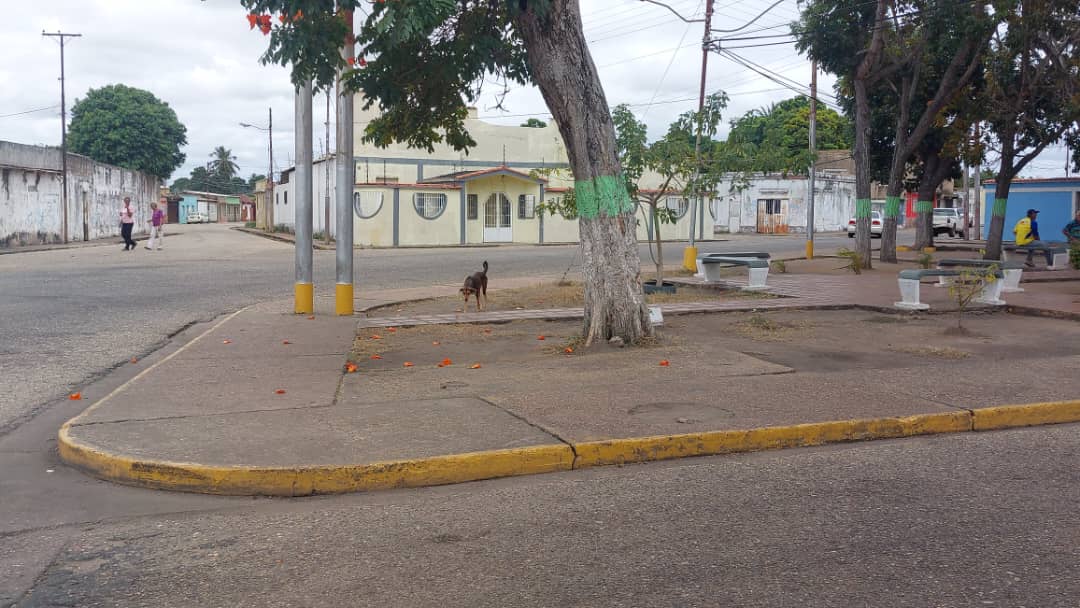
(925, 260)
(939, 352)
(761, 327)
(779, 266)
(854, 260)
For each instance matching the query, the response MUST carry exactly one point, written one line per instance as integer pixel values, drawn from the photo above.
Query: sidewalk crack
(534, 425)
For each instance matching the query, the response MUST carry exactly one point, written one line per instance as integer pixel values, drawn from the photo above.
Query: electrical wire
(24, 112)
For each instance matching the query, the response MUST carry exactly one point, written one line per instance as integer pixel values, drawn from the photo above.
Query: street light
(270, 172)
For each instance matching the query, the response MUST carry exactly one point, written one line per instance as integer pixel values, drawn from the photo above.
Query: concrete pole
(305, 290)
(690, 253)
(345, 180)
(813, 164)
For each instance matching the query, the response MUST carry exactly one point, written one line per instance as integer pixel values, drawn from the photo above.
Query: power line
(24, 112)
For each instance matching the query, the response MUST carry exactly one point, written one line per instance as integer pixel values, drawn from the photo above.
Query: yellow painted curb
(1032, 414)
(664, 447)
(309, 480)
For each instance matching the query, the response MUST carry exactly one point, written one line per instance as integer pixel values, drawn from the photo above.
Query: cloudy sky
(201, 58)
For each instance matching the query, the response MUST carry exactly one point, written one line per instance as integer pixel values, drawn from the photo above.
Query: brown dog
(476, 283)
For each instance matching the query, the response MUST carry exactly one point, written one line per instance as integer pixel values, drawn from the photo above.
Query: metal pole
(270, 179)
(63, 135)
(345, 178)
(305, 291)
(967, 198)
(978, 191)
(690, 254)
(326, 174)
(813, 163)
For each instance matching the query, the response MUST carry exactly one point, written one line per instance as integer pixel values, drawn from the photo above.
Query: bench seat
(1013, 271)
(758, 268)
(910, 281)
(1059, 253)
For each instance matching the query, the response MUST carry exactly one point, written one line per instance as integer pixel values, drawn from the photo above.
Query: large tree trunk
(563, 69)
(997, 217)
(924, 206)
(862, 172)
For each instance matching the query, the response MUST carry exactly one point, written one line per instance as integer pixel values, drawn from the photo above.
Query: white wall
(30, 196)
(737, 211)
(286, 213)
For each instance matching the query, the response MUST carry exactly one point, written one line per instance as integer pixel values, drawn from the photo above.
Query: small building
(218, 208)
(1057, 199)
(774, 204)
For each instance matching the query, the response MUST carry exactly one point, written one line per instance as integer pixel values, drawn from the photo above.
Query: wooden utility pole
(63, 133)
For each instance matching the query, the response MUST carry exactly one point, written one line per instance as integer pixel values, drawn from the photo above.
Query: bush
(249, 225)
(854, 260)
(925, 260)
(1074, 256)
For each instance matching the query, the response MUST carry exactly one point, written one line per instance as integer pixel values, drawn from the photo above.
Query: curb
(533, 460)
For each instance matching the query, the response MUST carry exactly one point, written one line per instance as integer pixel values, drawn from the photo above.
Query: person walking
(157, 221)
(1027, 236)
(127, 222)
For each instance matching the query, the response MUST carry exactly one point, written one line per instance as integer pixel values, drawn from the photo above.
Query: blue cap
(1030, 211)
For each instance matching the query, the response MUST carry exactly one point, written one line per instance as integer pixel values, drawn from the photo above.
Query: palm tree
(223, 165)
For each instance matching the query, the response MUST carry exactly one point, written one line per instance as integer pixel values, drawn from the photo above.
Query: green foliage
(968, 285)
(249, 224)
(779, 266)
(1074, 256)
(925, 260)
(202, 179)
(223, 165)
(776, 139)
(854, 260)
(564, 204)
(127, 127)
(534, 123)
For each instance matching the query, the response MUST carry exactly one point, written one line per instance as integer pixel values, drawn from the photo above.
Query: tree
(435, 55)
(534, 123)
(223, 164)
(777, 136)
(127, 127)
(202, 179)
(671, 158)
(1032, 93)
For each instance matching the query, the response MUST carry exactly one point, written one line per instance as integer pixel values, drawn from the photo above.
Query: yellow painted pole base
(809, 250)
(305, 298)
(689, 259)
(343, 299)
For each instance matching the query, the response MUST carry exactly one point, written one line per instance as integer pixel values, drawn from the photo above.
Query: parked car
(197, 218)
(875, 225)
(949, 220)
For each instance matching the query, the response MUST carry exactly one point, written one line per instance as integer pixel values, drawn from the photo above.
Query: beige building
(407, 197)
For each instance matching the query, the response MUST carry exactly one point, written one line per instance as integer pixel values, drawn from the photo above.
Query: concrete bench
(1059, 253)
(911, 280)
(758, 268)
(1012, 271)
(758, 255)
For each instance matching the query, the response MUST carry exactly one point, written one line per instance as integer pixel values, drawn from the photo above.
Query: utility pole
(813, 163)
(63, 132)
(270, 178)
(345, 184)
(978, 190)
(304, 211)
(326, 173)
(690, 253)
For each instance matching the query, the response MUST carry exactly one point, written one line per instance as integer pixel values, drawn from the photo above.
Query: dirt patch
(933, 351)
(557, 295)
(770, 328)
(835, 266)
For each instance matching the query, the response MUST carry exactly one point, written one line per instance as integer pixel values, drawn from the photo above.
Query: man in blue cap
(1027, 236)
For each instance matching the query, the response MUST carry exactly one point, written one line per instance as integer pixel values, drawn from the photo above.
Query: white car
(949, 220)
(875, 225)
(197, 218)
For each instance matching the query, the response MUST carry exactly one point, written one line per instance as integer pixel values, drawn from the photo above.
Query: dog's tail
(485, 267)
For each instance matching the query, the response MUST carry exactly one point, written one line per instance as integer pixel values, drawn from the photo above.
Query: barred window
(526, 206)
(429, 205)
(473, 207)
(366, 204)
(678, 205)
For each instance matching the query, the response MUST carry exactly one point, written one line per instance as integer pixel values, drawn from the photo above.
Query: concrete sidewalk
(262, 403)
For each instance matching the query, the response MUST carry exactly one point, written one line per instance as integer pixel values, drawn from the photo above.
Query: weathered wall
(737, 211)
(31, 195)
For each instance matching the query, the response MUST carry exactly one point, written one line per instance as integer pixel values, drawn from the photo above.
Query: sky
(201, 59)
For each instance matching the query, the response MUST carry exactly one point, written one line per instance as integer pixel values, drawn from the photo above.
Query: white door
(497, 219)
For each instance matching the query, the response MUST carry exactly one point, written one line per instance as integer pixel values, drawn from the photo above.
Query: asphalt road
(71, 315)
(986, 519)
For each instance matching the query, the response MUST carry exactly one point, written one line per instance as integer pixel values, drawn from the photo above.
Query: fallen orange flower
(665, 363)
(311, 317)
(376, 337)
(226, 341)
(286, 342)
(350, 367)
(134, 359)
(540, 337)
(376, 357)
(391, 329)
(75, 396)
(446, 361)
(408, 364)
(280, 391)
(568, 350)
(436, 343)
(474, 366)
(487, 331)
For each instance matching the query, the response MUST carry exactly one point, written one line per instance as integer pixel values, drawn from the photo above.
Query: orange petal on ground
(75, 396)
(391, 329)
(311, 317)
(134, 359)
(280, 391)
(376, 357)
(350, 367)
(665, 363)
(487, 331)
(286, 342)
(540, 338)
(226, 341)
(568, 350)
(436, 343)
(447, 361)
(376, 337)
(474, 366)
(407, 364)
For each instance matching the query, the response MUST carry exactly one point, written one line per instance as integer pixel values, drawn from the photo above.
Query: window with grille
(366, 204)
(429, 205)
(473, 207)
(526, 206)
(678, 205)
(772, 206)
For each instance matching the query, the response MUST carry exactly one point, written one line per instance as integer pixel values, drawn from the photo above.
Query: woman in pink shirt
(157, 221)
(127, 222)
